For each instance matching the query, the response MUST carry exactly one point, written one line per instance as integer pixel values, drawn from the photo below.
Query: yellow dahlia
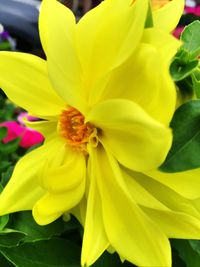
(167, 13)
(106, 99)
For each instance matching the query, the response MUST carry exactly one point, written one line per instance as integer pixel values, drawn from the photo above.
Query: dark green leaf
(10, 238)
(55, 252)
(111, 260)
(10, 147)
(24, 222)
(186, 253)
(191, 40)
(4, 165)
(4, 262)
(180, 70)
(3, 219)
(176, 260)
(3, 132)
(195, 244)
(6, 176)
(196, 82)
(149, 19)
(186, 90)
(185, 151)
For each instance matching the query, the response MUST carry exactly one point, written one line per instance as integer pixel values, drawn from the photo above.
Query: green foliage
(185, 151)
(9, 147)
(56, 252)
(3, 132)
(10, 237)
(189, 251)
(149, 18)
(191, 40)
(111, 260)
(180, 69)
(3, 219)
(196, 82)
(4, 262)
(184, 68)
(24, 243)
(24, 222)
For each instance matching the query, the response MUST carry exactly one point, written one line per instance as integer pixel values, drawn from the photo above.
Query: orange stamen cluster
(74, 129)
(159, 3)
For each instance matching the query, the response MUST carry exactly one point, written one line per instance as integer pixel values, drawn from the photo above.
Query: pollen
(73, 128)
(159, 3)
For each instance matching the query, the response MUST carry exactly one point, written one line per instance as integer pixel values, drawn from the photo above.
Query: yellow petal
(166, 45)
(95, 241)
(139, 194)
(134, 138)
(23, 189)
(166, 195)
(185, 183)
(28, 86)
(67, 175)
(58, 35)
(136, 80)
(168, 16)
(110, 32)
(46, 128)
(175, 224)
(131, 233)
(51, 206)
(79, 211)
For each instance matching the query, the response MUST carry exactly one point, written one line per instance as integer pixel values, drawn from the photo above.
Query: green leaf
(191, 40)
(4, 262)
(4, 165)
(55, 252)
(196, 82)
(186, 89)
(3, 132)
(24, 222)
(3, 219)
(187, 253)
(185, 151)
(180, 70)
(5, 46)
(10, 238)
(176, 260)
(195, 244)
(9, 147)
(149, 19)
(111, 260)
(6, 176)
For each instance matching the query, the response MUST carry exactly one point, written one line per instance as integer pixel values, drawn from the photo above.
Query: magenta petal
(193, 10)
(31, 138)
(14, 130)
(28, 136)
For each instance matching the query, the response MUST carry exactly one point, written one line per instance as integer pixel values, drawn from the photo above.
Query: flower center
(75, 130)
(159, 3)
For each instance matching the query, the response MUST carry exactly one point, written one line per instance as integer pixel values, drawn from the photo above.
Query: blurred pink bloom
(22, 115)
(29, 137)
(177, 32)
(192, 10)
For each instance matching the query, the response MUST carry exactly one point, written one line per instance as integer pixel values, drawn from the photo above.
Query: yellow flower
(106, 99)
(167, 13)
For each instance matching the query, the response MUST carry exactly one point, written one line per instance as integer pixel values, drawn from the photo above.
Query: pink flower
(193, 10)
(29, 137)
(177, 32)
